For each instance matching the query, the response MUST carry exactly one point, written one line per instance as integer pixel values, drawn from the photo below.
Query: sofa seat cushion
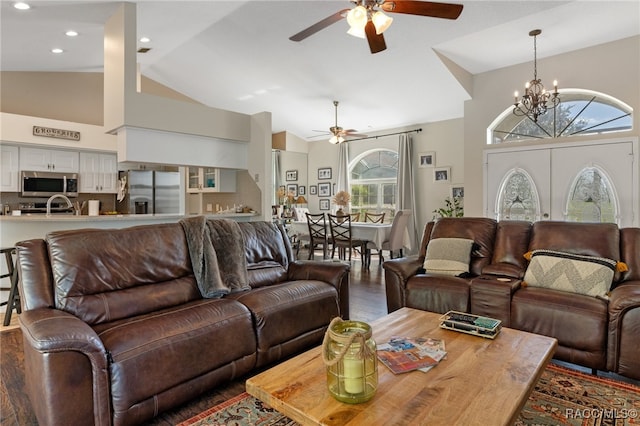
(156, 352)
(438, 293)
(578, 322)
(289, 316)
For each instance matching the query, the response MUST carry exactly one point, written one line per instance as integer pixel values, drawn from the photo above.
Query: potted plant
(453, 208)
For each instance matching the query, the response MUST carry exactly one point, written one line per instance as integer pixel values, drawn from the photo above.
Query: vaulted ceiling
(237, 55)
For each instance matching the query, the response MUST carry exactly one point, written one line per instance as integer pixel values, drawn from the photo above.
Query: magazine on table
(404, 354)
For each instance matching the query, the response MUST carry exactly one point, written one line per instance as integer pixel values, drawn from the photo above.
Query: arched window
(518, 197)
(580, 112)
(374, 182)
(592, 197)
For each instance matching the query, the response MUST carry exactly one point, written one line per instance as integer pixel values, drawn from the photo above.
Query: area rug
(561, 397)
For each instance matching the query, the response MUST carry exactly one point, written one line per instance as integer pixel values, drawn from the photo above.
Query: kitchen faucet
(53, 197)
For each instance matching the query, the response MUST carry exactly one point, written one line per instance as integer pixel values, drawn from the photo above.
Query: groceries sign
(56, 133)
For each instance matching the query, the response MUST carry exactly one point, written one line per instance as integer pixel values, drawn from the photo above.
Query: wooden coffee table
(481, 382)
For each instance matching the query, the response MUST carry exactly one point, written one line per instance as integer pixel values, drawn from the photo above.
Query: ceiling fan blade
(376, 41)
(307, 32)
(423, 8)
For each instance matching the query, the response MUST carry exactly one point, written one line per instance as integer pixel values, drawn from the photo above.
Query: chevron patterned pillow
(588, 275)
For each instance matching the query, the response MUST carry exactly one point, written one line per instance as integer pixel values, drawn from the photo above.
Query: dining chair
(355, 217)
(317, 225)
(374, 217)
(341, 238)
(395, 242)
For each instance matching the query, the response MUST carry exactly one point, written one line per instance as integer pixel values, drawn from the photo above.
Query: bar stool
(13, 302)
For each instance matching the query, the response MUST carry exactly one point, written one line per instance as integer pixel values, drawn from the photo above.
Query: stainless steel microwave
(46, 184)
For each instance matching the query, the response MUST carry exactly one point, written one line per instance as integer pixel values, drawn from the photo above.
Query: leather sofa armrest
(491, 296)
(63, 357)
(624, 329)
(396, 274)
(334, 273)
(54, 330)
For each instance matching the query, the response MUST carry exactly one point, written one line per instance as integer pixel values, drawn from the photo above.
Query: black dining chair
(317, 225)
(374, 217)
(341, 238)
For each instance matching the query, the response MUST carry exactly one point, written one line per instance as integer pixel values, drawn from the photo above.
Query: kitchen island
(31, 225)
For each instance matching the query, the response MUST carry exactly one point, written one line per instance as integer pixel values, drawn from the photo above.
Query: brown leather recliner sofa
(116, 329)
(602, 333)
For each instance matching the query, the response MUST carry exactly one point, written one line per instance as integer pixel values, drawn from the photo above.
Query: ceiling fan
(367, 19)
(338, 134)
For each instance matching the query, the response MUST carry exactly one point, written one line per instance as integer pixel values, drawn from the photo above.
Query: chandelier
(535, 99)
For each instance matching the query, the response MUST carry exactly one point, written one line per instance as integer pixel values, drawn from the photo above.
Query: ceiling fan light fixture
(381, 21)
(357, 32)
(336, 139)
(357, 17)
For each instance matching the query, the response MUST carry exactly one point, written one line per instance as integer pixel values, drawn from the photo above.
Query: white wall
(445, 138)
(612, 68)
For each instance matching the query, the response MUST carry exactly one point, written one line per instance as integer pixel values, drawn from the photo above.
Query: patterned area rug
(561, 397)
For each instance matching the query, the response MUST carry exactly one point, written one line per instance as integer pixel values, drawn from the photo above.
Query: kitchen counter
(36, 217)
(36, 225)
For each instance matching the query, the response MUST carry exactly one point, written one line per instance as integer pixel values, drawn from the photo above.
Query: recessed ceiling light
(21, 5)
(145, 39)
(56, 50)
(71, 33)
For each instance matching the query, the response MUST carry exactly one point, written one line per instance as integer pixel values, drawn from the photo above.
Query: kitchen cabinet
(98, 173)
(10, 172)
(210, 179)
(49, 160)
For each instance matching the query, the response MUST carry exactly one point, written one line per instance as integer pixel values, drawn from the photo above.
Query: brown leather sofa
(602, 333)
(116, 330)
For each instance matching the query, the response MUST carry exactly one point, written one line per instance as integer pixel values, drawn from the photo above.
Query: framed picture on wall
(313, 190)
(291, 175)
(301, 190)
(427, 159)
(442, 174)
(324, 173)
(324, 204)
(324, 190)
(292, 189)
(457, 191)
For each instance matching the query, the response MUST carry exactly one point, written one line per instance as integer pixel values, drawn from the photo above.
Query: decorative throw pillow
(588, 275)
(448, 256)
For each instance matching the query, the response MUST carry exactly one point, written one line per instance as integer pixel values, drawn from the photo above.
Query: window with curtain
(580, 112)
(374, 182)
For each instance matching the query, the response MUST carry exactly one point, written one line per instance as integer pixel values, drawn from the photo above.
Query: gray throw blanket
(217, 255)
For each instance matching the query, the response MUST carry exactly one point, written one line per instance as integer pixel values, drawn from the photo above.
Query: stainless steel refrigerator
(151, 192)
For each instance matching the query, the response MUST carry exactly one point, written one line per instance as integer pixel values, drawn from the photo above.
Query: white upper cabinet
(10, 170)
(49, 160)
(98, 173)
(210, 179)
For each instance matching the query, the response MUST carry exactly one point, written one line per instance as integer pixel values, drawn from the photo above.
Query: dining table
(373, 233)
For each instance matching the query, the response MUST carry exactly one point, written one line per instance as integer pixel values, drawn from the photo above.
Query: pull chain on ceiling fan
(367, 21)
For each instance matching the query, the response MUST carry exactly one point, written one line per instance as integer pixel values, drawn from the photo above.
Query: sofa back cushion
(102, 275)
(268, 252)
(479, 229)
(629, 249)
(512, 240)
(588, 239)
